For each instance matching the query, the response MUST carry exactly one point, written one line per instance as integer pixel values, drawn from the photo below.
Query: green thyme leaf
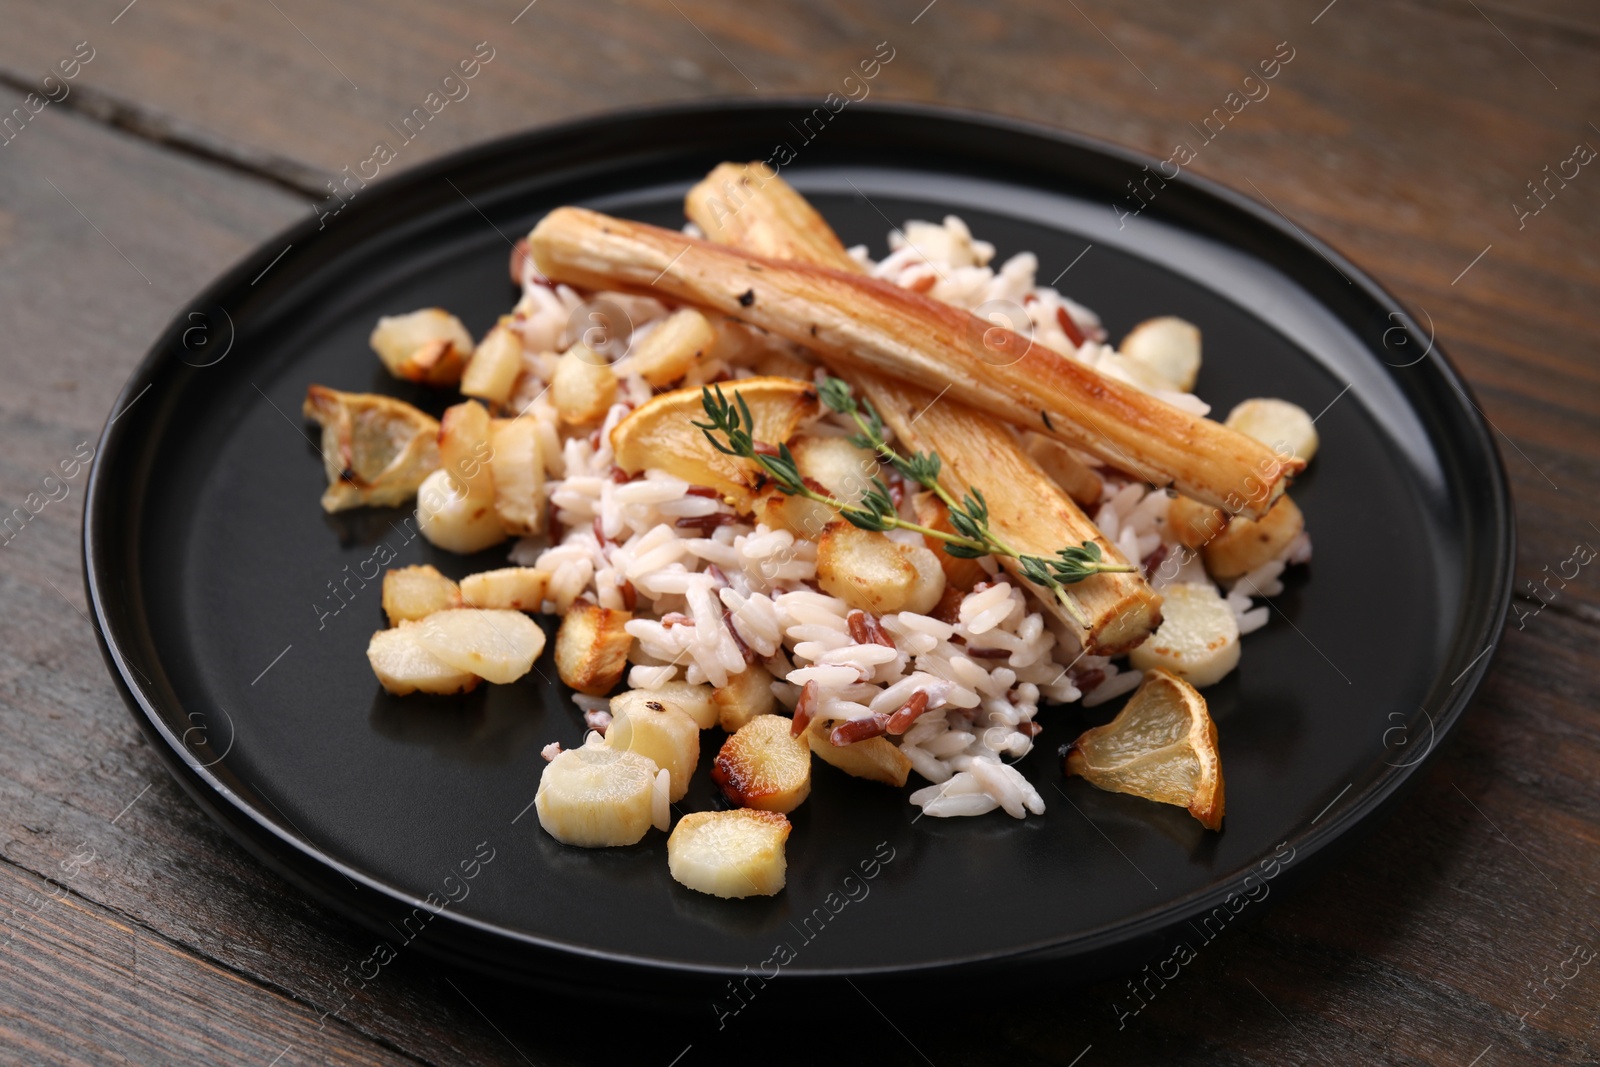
(835, 393)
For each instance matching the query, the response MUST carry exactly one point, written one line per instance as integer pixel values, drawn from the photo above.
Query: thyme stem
(973, 535)
(894, 520)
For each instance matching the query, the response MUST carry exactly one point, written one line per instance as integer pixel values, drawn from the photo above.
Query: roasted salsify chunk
(1245, 544)
(764, 766)
(876, 759)
(404, 666)
(594, 796)
(517, 467)
(747, 694)
(1277, 424)
(668, 351)
(583, 386)
(517, 588)
(411, 593)
(592, 648)
(456, 504)
(867, 570)
(493, 369)
(1198, 639)
(653, 726)
(698, 701)
(456, 521)
(429, 346)
(497, 645)
(730, 854)
(1165, 351)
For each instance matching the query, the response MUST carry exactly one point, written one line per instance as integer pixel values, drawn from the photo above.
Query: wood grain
(149, 1000)
(1401, 134)
(71, 760)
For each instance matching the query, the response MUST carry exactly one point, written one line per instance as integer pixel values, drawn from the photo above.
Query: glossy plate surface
(211, 570)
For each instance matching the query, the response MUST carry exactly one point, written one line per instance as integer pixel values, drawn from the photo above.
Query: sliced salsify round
(497, 645)
(738, 853)
(594, 796)
(1162, 746)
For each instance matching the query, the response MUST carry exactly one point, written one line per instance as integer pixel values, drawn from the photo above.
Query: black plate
(210, 565)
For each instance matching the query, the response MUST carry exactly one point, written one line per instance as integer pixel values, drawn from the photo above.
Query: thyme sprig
(973, 535)
(970, 515)
(876, 510)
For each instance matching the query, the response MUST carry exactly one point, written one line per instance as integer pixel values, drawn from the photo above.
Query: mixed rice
(712, 595)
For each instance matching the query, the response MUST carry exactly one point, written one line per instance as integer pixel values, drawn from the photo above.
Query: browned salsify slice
(429, 346)
(412, 593)
(730, 854)
(765, 766)
(1162, 746)
(592, 648)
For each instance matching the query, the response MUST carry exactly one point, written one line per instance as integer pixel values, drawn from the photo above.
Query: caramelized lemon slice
(661, 433)
(1162, 746)
(376, 449)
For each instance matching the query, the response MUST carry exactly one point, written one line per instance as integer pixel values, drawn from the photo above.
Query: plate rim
(307, 865)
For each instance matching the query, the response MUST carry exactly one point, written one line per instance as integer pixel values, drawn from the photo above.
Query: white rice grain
(829, 677)
(983, 611)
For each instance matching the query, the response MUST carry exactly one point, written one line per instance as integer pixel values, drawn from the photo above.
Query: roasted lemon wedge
(1162, 746)
(376, 449)
(662, 432)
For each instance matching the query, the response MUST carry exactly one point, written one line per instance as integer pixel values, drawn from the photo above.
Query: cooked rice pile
(713, 595)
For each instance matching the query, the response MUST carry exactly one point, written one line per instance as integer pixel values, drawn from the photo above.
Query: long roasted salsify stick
(753, 209)
(748, 206)
(866, 324)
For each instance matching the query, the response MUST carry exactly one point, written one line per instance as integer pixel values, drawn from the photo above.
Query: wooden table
(1406, 134)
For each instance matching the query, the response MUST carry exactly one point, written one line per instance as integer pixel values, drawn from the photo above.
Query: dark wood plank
(83, 986)
(1402, 135)
(1428, 946)
(74, 771)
